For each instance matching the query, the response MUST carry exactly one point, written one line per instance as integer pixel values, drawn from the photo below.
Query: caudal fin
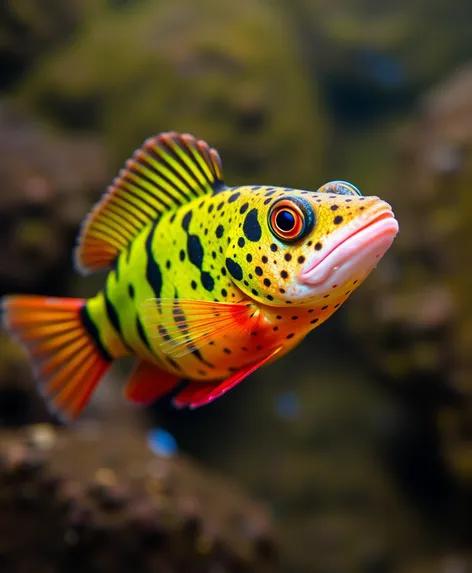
(66, 363)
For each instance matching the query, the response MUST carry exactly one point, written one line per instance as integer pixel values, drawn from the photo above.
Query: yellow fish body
(206, 282)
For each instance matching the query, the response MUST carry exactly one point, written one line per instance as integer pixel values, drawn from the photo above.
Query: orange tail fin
(66, 362)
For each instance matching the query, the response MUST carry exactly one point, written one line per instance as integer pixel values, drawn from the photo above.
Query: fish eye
(340, 188)
(291, 219)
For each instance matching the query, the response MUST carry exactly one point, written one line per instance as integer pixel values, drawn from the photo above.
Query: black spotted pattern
(251, 226)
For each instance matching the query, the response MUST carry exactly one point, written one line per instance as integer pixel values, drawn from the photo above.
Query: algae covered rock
(49, 181)
(373, 57)
(96, 499)
(414, 310)
(28, 29)
(413, 317)
(226, 72)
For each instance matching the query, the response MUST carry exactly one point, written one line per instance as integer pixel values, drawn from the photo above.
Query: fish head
(311, 245)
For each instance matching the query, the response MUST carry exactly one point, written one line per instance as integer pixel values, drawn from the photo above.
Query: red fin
(66, 363)
(193, 392)
(187, 325)
(148, 383)
(167, 171)
(198, 394)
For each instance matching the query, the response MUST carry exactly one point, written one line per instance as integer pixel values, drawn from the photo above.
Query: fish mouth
(354, 251)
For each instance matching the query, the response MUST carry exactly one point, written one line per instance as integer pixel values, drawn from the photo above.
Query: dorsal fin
(168, 171)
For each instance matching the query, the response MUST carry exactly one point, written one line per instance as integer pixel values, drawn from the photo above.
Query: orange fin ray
(166, 172)
(148, 383)
(66, 363)
(187, 325)
(197, 394)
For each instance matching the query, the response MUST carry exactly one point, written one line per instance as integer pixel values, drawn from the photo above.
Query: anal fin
(148, 383)
(199, 394)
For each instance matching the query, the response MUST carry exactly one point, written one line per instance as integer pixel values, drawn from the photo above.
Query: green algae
(212, 70)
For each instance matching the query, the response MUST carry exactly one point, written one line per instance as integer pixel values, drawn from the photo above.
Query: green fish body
(205, 282)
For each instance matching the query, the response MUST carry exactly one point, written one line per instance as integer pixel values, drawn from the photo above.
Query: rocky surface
(96, 499)
(226, 72)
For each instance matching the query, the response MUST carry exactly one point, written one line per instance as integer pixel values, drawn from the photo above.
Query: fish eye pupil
(285, 220)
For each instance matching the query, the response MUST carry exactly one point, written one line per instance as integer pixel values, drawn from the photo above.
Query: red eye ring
(290, 219)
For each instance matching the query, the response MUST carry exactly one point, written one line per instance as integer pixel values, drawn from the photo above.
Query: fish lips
(353, 252)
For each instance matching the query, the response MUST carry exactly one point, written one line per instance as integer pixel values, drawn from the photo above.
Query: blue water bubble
(162, 443)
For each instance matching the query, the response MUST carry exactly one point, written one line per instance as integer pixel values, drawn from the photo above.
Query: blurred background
(358, 444)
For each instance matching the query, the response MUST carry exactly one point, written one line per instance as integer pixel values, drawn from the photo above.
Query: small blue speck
(287, 405)
(382, 68)
(161, 443)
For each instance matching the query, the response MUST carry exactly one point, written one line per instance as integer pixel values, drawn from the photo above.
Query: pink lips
(351, 250)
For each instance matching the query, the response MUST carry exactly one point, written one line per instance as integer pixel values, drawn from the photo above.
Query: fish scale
(206, 283)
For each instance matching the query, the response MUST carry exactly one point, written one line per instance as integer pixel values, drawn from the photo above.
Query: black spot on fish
(255, 293)
(226, 350)
(234, 269)
(265, 259)
(182, 255)
(163, 332)
(234, 197)
(186, 220)
(153, 271)
(128, 252)
(92, 329)
(241, 242)
(244, 208)
(168, 265)
(224, 292)
(284, 274)
(195, 250)
(219, 231)
(301, 259)
(337, 220)
(193, 284)
(334, 207)
(114, 318)
(223, 271)
(173, 363)
(251, 226)
(207, 281)
(273, 247)
(318, 247)
(249, 257)
(267, 201)
(314, 321)
(172, 219)
(291, 335)
(199, 356)
(288, 257)
(131, 291)
(258, 271)
(220, 206)
(270, 297)
(267, 282)
(142, 334)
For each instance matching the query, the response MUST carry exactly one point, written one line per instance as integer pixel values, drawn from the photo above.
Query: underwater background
(353, 454)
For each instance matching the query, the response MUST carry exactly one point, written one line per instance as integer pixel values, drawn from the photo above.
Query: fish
(205, 283)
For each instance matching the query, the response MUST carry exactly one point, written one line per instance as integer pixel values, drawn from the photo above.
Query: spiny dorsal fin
(168, 171)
